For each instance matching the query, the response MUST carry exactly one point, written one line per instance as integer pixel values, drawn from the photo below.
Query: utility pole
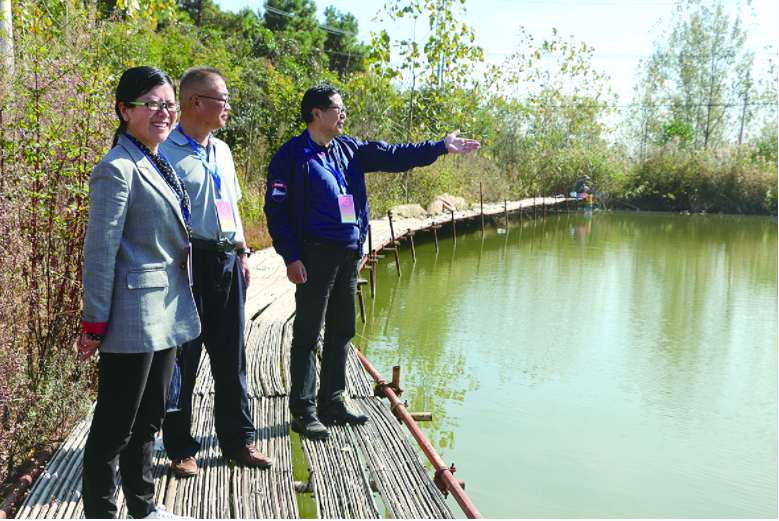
(743, 117)
(413, 85)
(744, 111)
(6, 39)
(439, 27)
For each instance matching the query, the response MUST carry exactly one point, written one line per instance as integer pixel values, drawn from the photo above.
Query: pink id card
(225, 212)
(346, 204)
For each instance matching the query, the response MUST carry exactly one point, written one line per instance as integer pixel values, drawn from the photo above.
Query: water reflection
(620, 367)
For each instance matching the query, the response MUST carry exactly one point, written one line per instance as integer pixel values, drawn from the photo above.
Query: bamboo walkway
(343, 471)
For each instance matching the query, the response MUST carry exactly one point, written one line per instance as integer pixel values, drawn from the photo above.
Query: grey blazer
(135, 253)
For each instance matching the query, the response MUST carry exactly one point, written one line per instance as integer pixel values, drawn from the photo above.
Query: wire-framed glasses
(225, 101)
(156, 106)
(341, 110)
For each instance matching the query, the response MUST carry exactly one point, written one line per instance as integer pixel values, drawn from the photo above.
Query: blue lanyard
(178, 181)
(333, 168)
(214, 172)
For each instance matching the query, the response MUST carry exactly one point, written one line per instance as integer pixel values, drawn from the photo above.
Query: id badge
(346, 204)
(224, 210)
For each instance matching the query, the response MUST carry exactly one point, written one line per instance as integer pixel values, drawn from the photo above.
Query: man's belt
(220, 246)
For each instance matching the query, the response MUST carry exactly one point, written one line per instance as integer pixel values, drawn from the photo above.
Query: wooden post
(373, 261)
(506, 207)
(543, 197)
(413, 251)
(481, 202)
(454, 229)
(360, 284)
(535, 209)
(396, 376)
(435, 235)
(394, 243)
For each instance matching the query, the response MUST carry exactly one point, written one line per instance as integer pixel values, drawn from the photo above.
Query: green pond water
(624, 366)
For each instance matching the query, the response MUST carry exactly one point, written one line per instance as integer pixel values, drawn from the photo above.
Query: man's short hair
(317, 97)
(197, 76)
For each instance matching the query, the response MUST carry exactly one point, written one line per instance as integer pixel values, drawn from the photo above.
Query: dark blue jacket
(287, 194)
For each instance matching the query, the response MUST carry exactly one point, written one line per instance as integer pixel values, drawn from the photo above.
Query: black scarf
(171, 178)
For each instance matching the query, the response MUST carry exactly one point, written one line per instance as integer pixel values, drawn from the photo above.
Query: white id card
(346, 204)
(224, 210)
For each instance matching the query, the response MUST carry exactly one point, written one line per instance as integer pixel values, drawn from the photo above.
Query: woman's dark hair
(133, 84)
(316, 97)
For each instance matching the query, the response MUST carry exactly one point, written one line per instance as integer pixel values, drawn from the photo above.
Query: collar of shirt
(330, 152)
(182, 141)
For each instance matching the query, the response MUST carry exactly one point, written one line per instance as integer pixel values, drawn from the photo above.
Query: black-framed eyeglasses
(225, 101)
(341, 110)
(156, 106)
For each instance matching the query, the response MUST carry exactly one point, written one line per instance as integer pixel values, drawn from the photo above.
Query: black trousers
(327, 297)
(131, 401)
(219, 288)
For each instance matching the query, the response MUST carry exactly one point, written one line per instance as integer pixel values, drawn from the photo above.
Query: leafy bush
(730, 180)
(54, 127)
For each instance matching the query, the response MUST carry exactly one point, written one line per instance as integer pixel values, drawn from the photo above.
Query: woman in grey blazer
(138, 304)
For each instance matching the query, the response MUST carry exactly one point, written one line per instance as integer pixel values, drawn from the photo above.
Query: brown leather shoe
(184, 468)
(253, 457)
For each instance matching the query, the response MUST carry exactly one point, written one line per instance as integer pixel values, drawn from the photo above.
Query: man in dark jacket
(581, 185)
(317, 210)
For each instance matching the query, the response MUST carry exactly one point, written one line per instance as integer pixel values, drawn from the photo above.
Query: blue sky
(620, 32)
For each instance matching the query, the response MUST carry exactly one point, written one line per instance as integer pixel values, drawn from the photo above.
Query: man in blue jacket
(317, 210)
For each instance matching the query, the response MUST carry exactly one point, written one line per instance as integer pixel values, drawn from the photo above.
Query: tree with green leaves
(701, 72)
(564, 98)
(443, 62)
(766, 131)
(207, 15)
(345, 54)
(677, 131)
(296, 19)
(449, 51)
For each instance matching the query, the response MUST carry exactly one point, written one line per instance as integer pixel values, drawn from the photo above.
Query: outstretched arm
(458, 145)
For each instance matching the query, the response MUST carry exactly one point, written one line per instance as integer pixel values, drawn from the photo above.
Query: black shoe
(340, 411)
(310, 426)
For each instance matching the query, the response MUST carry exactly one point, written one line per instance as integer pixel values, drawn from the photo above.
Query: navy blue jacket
(287, 194)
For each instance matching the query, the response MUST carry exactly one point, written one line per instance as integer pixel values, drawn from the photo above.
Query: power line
(327, 28)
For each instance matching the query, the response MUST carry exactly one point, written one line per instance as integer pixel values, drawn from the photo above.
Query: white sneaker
(162, 513)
